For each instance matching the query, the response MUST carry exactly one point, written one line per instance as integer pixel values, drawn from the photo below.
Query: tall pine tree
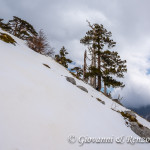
(105, 64)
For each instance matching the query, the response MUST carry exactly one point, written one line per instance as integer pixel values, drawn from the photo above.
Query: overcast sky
(64, 22)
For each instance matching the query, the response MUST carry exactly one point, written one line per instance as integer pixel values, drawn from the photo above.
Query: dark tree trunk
(99, 77)
(84, 67)
(105, 89)
(99, 67)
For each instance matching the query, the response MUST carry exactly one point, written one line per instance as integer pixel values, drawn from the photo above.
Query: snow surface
(39, 109)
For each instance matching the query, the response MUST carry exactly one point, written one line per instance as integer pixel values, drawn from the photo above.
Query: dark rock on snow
(136, 127)
(101, 101)
(46, 65)
(71, 80)
(82, 88)
(140, 131)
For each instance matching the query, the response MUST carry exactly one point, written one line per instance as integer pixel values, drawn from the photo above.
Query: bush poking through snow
(129, 116)
(7, 38)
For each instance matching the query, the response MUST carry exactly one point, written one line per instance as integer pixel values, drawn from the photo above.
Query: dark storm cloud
(64, 22)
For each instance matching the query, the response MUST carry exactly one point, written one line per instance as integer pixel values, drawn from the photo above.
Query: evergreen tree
(108, 64)
(21, 28)
(61, 58)
(113, 67)
(78, 70)
(3, 25)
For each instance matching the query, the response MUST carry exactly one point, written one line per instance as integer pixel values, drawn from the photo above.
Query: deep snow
(39, 109)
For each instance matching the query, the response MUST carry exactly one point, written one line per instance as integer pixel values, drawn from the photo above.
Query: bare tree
(93, 64)
(40, 44)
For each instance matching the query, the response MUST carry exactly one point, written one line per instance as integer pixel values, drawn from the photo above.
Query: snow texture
(39, 109)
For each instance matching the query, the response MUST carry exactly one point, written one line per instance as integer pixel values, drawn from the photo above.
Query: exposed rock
(141, 131)
(72, 80)
(135, 126)
(148, 117)
(46, 65)
(82, 88)
(101, 101)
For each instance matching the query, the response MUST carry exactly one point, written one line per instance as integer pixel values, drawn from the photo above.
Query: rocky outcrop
(82, 88)
(135, 126)
(141, 131)
(148, 117)
(71, 80)
(101, 101)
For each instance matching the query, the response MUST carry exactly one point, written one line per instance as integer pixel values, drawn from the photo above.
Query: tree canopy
(21, 28)
(106, 65)
(61, 57)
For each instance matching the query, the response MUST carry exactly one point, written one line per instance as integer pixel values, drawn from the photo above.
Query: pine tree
(61, 58)
(108, 64)
(21, 28)
(113, 67)
(78, 70)
(3, 25)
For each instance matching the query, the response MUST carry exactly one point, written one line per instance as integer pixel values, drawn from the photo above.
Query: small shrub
(7, 38)
(130, 117)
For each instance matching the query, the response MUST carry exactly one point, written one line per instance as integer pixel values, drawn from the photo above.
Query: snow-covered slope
(39, 109)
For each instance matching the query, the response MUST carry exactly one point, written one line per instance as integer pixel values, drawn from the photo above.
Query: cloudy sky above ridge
(64, 22)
